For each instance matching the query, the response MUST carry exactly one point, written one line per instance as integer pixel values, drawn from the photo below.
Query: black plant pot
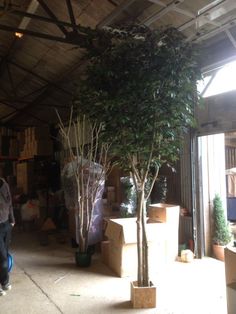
(83, 259)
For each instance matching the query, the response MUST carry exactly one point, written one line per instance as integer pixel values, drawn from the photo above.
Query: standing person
(7, 221)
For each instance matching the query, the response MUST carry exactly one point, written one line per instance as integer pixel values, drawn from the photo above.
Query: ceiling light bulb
(19, 35)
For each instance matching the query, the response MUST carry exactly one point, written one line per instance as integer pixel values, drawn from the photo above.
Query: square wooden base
(143, 297)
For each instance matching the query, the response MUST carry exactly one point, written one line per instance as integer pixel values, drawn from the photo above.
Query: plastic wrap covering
(92, 175)
(30, 210)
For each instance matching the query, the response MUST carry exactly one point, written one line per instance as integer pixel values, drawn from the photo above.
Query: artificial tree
(84, 174)
(142, 88)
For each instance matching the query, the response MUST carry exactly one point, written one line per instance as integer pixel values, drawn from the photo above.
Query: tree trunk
(139, 238)
(142, 245)
(145, 247)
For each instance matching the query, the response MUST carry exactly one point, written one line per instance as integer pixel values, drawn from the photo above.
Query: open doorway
(216, 152)
(230, 163)
(217, 175)
(211, 154)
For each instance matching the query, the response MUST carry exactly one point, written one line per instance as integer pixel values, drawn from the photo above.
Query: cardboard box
(122, 235)
(230, 264)
(231, 297)
(230, 278)
(105, 245)
(168, 214)
(164, 213)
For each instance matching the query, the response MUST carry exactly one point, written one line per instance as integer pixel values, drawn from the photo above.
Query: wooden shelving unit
(3, 158)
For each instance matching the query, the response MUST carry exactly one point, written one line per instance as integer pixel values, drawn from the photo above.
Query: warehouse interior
(41, 61)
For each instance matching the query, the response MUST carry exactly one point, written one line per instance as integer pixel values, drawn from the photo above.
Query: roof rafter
(19, 101)
(71, 14)
(48, 89)
(36, 34)
(39, 77)
(20, 111)
(39, 18)
(150, 19)
(53, 16)
(119, 9)
(13, 88)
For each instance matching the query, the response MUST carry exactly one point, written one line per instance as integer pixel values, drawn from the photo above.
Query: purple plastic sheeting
(71, 195)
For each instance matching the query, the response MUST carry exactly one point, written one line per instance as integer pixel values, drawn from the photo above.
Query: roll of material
(10, 262)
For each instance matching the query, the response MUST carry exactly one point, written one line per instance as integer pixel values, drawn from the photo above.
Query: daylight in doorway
(220, 81)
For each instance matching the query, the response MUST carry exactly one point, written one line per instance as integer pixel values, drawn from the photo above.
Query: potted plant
(142, 88)
(83, 180)
(221, 235)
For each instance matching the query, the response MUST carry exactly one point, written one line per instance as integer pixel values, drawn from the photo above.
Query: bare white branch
(90, 166)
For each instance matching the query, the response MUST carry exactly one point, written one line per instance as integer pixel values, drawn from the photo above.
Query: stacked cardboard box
(37, 142)
(168, 214)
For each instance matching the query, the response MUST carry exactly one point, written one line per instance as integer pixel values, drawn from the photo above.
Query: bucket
(83, 259)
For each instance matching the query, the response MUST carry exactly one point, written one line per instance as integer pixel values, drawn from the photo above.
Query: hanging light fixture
(25, 21)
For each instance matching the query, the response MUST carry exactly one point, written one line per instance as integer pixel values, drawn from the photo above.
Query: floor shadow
(123, 305)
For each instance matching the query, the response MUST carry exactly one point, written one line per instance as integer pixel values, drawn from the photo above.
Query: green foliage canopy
(142, 87)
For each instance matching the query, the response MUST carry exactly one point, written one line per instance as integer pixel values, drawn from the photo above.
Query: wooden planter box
(143, 297)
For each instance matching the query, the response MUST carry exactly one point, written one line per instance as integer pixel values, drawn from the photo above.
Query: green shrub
(221, 233)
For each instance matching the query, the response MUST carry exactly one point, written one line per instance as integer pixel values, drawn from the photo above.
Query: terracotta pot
(143, 297)
(218, 251)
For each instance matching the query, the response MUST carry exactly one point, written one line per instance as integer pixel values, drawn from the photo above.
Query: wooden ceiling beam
(4, 91)
(32, 93)
(39, 18)
(209, 34)
(18, 110)
(198, 17)
(25, 109)
(53, 16)
(231, 37)
(110, 18)
(39, 77)
(36, 34)
(71, 14)
(48, 89)
(79, 39)
(160, 13)
(7, 55)
(19, 101)
(159, 2)
(13, 88)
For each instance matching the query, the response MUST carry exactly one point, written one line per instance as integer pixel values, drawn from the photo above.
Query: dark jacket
(6, 209)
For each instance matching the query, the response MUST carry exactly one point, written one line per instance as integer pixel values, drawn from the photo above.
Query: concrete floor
(45, 280)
